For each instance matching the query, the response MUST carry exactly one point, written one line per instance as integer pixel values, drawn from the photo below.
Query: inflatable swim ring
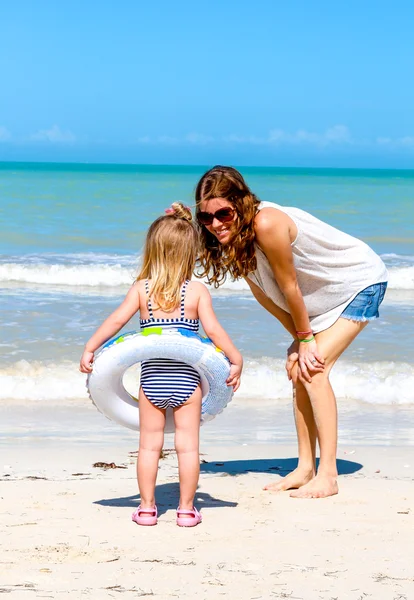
(105, 383)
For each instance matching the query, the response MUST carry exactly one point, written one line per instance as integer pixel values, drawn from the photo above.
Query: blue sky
(294, 83)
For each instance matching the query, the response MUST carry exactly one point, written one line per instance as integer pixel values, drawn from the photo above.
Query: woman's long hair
(170, 254)
(238, 257)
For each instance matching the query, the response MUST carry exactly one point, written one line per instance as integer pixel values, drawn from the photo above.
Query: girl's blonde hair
(238, 258)
(170, 255)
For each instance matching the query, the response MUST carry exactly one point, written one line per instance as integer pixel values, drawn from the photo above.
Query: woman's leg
(331, 343)
(187, 436)
(306, 433)
(322, 415)
(151, 440)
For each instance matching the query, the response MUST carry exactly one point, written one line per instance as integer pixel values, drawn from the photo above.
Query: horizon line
(194, 166)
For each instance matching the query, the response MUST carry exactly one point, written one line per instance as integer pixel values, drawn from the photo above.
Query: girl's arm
(274, 235)
(219, 336)
(110, 327)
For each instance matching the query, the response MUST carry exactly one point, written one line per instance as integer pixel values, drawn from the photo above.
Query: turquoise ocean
(71, 237)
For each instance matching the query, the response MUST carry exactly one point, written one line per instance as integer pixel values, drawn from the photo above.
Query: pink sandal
(145, 516)
(192, 519)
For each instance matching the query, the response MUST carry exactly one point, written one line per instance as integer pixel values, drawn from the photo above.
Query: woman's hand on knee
(310, 361)
(292, 359)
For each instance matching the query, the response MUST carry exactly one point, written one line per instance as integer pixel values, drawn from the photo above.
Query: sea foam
(113, 275)
(376, 383)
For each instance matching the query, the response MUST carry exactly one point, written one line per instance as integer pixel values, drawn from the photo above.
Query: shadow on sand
(279, 466)
(168, 493)
(167, 498)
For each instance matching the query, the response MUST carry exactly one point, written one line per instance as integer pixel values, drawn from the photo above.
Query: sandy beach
(110, 114)
(66, 529)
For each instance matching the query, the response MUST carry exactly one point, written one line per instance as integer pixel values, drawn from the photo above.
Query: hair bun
(178, 209)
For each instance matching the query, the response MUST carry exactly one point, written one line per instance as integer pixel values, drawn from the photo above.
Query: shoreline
(244, 421)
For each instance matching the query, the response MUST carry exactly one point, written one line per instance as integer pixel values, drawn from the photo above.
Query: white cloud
(5, 134)
(336, 135)
(403, 142)
(241, 139)
(198, 138)
(167, 139)
(53, 135)
(407, 141)
(339, 134)
(383, 141)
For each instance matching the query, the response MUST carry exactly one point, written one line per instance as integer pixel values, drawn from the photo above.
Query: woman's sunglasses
(224, 215)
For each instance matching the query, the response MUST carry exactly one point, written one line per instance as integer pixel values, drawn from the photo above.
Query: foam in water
(93, 275)
(105, 271)
(377, 383)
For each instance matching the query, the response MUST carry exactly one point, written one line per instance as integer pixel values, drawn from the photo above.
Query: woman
(320, 283)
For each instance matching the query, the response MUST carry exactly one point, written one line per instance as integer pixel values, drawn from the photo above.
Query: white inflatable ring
(105, 383)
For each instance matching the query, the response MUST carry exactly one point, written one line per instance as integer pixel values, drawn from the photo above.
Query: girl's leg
(187, 436)
(151, 440)
(323, 415)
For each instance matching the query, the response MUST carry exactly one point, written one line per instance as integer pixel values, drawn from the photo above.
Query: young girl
(165, 296)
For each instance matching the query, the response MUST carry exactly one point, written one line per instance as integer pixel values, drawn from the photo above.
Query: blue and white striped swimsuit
(166, 382)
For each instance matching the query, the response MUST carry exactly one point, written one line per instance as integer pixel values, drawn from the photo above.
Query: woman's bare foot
(296, 479)
(321, 486)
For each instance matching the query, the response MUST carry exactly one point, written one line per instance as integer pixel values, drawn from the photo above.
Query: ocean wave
(99, 270)
(92, 275)
(401, 278)
(114, 274)
(377, 383)
(381, 383)
(393, 259)
(72, 275)
(72, 258)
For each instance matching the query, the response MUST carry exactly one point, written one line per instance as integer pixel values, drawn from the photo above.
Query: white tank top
(332, 267)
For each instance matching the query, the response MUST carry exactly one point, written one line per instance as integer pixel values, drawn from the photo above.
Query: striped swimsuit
(166, 382)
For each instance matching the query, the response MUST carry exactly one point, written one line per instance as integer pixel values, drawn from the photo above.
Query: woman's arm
(275, 310)
(110, 327)
(219, 336)
(284, 318)
(275, 232)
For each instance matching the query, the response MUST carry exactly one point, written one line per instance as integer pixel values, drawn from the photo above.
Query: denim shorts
(364, 307)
